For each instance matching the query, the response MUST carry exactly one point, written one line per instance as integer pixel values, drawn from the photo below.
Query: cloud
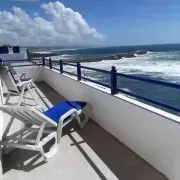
(63, 26)
(35, 14)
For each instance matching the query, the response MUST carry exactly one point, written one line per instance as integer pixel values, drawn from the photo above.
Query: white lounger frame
(13, 87)
(32, 116)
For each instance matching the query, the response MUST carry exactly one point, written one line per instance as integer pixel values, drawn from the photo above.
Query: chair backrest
(8, 79)
(11, 69)
(26, 64)
(27, 114)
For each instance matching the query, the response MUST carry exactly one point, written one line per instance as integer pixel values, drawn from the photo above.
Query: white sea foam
(159, 64)
(69, 55)
(43, 52)
(56, 50)
(148, 52)
(64, 56)
(73, 49)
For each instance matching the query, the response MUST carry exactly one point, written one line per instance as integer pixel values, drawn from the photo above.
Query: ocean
(162, 62)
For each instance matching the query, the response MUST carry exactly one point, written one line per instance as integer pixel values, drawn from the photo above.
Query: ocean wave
(155, 64)
(68, 49)
(57, 50)
(149, 52)
(43, 52)
(64, 56)
(163, 65)
(69, 55)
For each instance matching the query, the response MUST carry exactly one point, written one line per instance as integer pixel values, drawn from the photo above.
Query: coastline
(93, 59)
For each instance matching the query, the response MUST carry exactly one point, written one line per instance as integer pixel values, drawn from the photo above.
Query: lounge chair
(16, 85)
(37, 121)
(22, 76)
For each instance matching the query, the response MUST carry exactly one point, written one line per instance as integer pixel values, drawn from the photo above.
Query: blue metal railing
(97, 70)
(172, 85)
(113, 78)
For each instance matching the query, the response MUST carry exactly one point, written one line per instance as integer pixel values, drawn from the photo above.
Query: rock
(141, 52)
(129, 55)
(37, 55)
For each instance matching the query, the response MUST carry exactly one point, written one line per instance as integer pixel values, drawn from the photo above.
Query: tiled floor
(85, 154)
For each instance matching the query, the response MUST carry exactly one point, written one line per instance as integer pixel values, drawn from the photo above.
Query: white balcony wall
(14, 56)
(33, 72)
(1, 126)
(17, 56)
(151, 133)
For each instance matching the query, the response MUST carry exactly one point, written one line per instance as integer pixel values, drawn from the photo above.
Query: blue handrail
(69, 64)
(149, 100)
(70, 73)
(102, 84)
(163, 83)
(113, 86)
(97, 70)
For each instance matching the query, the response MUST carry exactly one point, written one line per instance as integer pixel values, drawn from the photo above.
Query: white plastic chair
(36, 121)
(16, 85)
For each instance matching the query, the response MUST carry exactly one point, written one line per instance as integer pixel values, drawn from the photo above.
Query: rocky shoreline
(95, 59)
(109, 57)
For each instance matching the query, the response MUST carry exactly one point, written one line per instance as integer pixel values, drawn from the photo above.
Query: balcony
(125, 138)
(89, 153)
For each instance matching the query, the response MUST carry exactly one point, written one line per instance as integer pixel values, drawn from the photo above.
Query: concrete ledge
(151, 133)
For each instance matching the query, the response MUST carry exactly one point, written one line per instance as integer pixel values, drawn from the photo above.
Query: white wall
(33, 72)
(1, 128)
(16, 56)
(151, 133)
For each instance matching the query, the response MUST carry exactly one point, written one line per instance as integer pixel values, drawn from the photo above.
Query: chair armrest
(23, 74)
(22, 83)
(20, 76)
(67, 114)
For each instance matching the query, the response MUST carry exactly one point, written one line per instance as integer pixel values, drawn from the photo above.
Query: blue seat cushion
(60, 109)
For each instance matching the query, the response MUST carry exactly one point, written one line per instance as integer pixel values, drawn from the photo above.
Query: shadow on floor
(50, 93)
(26, 160)
(123, 162)
(19, 158)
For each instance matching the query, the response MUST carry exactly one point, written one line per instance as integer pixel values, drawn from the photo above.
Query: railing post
(1, 62)
(43, 61)
(78, 71)
(61, 66)
(50, 63)
(28, 54)
(113, 80)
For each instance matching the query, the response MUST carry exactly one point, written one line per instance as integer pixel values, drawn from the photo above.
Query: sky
(90, 23)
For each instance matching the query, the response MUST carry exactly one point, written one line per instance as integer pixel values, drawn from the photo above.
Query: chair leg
(32, 94)
(86, 118)
(53, 150)
(79, 121)
(49, 154)
(43, 155)
(23, 125)
(7, 99)
(59, 132)
(21, 96)
(84, 122)
(8, 127)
